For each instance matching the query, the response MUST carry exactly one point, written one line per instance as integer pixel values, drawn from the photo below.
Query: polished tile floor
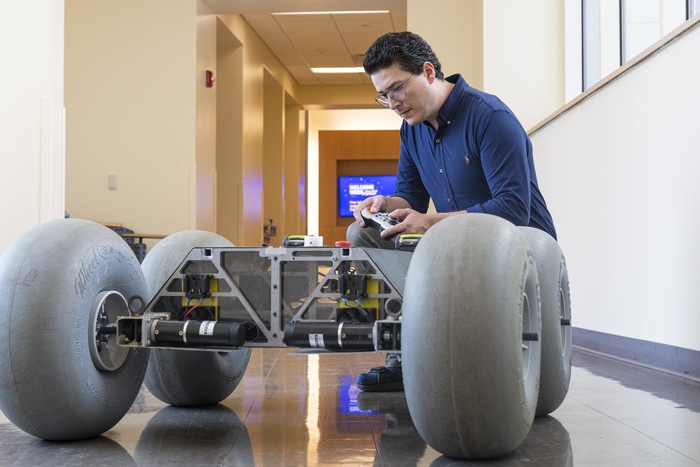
(294, 410)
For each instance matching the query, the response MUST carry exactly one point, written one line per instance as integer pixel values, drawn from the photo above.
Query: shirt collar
(449, 108)
(447, 112)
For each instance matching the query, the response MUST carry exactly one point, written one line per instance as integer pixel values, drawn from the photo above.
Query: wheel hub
(102, 339)
(531, 349)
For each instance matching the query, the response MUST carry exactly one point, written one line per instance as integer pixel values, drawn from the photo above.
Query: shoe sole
(386, 387)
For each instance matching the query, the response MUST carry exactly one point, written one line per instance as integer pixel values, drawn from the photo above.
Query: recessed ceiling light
(348, 69)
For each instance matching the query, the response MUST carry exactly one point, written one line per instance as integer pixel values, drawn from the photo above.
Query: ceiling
(337, 38)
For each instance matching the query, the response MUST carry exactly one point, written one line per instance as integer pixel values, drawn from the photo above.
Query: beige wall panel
(130, 100)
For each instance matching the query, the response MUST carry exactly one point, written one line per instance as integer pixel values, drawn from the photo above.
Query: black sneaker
(381, 379)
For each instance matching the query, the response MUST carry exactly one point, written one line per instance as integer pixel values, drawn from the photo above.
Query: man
(460, 147)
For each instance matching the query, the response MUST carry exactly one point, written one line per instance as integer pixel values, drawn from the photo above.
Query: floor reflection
(201, 436)
(295, 410)
(681, 391)
(100, 451)
(548, 442)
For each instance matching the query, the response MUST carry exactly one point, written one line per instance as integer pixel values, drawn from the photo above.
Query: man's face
(406, 93)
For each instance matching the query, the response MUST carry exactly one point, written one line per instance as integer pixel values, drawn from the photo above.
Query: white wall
(509, 48)
(31, 115)
(321, 120)
(620, 173)
(524, 56)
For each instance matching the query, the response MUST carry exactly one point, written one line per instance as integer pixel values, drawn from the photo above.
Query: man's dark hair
(408, 50)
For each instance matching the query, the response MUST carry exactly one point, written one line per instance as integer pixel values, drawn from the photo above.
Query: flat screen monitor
(352, 189)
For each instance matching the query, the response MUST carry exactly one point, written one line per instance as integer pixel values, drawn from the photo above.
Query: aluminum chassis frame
(302, 285)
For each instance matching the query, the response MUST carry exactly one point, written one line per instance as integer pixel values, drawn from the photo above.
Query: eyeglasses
(397, 94)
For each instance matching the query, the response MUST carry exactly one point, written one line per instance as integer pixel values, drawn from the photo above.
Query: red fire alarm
(209, 78)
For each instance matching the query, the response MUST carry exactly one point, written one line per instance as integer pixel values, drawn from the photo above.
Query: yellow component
(372, 288)
(209, 301)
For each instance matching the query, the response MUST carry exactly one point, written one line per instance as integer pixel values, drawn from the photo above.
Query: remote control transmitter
(379, 220)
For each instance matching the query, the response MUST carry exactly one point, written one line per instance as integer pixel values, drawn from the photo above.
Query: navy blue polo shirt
(478, 160)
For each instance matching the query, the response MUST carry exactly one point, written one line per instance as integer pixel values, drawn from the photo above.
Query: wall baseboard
(667, 358)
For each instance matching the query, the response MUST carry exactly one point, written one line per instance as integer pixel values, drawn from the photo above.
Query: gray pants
(367, 237)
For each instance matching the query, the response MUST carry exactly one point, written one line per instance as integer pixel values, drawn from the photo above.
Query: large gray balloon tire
(60, 282)
(555, 374)
(188, 378)
(470, 378)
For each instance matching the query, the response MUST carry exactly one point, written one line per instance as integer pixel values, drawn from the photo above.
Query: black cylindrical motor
(333, 336)
(198, 333)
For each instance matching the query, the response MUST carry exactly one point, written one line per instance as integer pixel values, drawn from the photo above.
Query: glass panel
(693, 7)
(641, 26)
(591, 42)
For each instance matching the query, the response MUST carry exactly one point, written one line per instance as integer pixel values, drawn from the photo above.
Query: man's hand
(414, 222)
(377, 203)
(411, 222)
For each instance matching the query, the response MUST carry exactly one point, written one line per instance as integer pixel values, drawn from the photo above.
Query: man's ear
(429, 70)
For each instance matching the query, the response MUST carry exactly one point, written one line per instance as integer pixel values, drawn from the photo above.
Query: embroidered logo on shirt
(466, 159)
